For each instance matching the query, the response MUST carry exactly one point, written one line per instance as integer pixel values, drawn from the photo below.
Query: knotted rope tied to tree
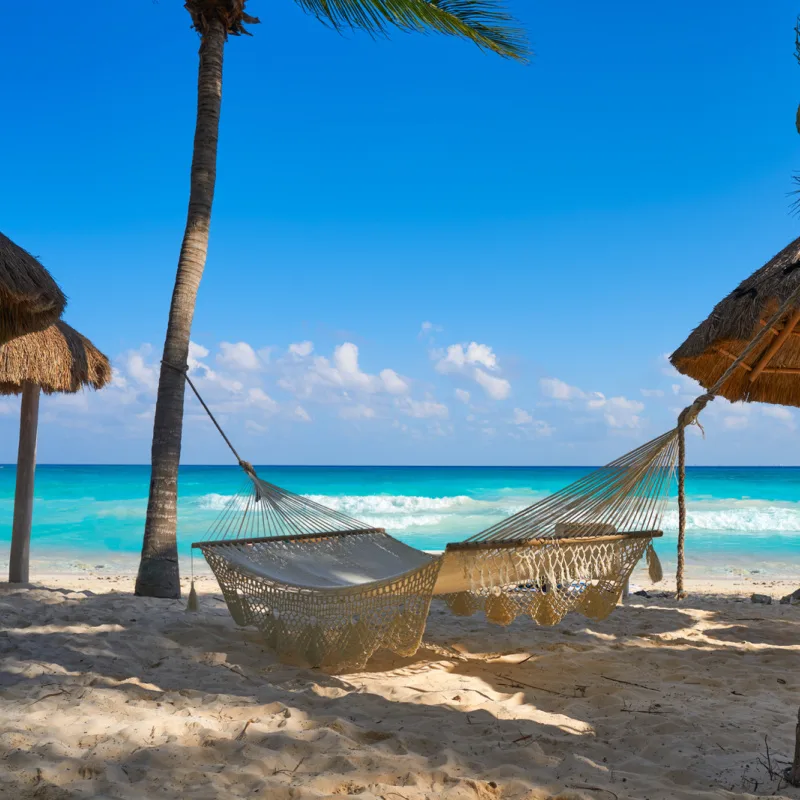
(192, 604)
(245, 465)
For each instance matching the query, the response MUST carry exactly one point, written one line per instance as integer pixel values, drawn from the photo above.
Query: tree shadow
(776, 632)
(93, 656)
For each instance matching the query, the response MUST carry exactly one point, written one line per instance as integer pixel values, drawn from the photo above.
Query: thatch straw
(57, 359)
(29, 297)
(715, 343)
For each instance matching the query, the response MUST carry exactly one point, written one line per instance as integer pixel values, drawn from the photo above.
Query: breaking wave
(402, 512)
(738, 516)
(399, 512)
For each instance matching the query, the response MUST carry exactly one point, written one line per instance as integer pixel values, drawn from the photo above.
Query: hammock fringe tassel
(192, 604)
(654, 569)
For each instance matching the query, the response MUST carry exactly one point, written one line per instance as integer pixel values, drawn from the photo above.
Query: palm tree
(484, 22)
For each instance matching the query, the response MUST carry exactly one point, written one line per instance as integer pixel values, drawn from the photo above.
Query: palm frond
(795, 204)
(797, 39)
(484, 22)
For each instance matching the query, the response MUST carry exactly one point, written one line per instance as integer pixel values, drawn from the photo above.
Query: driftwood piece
(792, 773)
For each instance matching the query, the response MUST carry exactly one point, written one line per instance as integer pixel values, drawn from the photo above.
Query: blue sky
(420, 253)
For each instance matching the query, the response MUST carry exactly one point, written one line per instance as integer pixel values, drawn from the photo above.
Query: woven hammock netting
(328, 590)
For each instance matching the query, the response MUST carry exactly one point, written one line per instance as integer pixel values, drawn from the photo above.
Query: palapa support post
(19, 561)
(56, 359)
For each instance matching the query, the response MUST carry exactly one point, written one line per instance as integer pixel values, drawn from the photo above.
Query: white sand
(104, 695)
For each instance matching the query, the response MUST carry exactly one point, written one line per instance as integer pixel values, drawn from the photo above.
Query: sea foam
(401, 512)
(398, 512)
(734, 516)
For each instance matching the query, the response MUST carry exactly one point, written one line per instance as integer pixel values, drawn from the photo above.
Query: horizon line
(400, 466)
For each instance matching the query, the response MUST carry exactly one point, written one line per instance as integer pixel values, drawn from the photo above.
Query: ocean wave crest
(402, 504)
(744, 519)
(218, 502)
(404, 512)
(398, 512)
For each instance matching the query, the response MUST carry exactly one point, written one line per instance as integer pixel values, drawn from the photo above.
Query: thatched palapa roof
(29, 297)
(57, 359)
(771, 373)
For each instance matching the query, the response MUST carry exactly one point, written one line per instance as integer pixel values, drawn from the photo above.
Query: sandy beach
(105, 695)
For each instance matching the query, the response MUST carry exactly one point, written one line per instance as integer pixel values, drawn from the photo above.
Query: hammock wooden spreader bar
(562, 541)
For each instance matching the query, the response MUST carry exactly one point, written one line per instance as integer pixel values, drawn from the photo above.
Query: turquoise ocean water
(740, 519)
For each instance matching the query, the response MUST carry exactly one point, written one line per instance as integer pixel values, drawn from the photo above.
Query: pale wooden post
(23, 499)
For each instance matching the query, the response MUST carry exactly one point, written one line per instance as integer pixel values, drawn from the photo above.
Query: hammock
(327, 590)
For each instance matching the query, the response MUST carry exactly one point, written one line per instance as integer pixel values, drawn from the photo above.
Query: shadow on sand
(115, 696)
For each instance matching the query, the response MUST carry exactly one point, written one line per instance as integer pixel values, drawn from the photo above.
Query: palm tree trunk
(158, 569)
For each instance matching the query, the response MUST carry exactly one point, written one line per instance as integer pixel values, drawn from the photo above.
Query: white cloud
(139, 370)
(473, 360)
(422, 409)
(618, 412)
(542, 428)
(735, 422)
(533, 426)
(463, 395)
(328, 379)
(205, 375)
(521, 417)
(496, 388)
(359, 411)
(265, 354)
(118, 379)
(255, 427)
(652, 392)
(595, 400)
(238, 356)
(623, 413)
(559, 390)
(392, 382)
(148, 414)
(76, 402)
(301, 349)
(301, 414)
(197, 351)
(458, 356)
(260, 399)
(427, 328)
(781, 414)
